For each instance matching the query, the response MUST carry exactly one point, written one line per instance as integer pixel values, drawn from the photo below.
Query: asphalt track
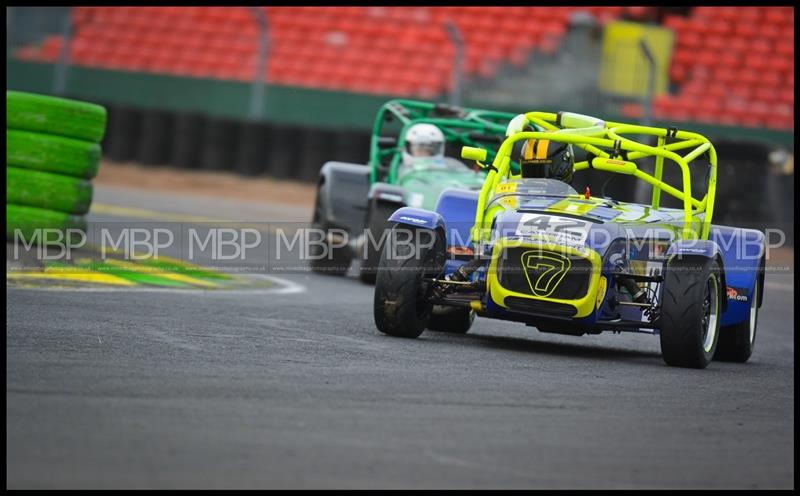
(134, 389)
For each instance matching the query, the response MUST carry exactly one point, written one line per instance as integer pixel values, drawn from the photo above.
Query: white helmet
(423, 141)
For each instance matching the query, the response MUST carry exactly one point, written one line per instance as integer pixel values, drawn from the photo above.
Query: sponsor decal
(737, 294)
(413, 219)
(693, 250)
(508, 187)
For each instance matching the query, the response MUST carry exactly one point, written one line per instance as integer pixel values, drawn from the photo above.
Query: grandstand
(730, 65)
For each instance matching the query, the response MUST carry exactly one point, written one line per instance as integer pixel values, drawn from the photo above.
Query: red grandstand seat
(729, 59)
(779, 122)
(738, 45)
(662, 106)
(749, 15)
(749, 78)
(690, 39)
(781, 108)
(774, 16)
(749, 120)
(740, 91)
(785, 48)
(715, 43)
(770, 78)
(632, 110)
(728, 118)
(674, 22)
(786, 96)
(767, 95)
(678, 73)
(757, 64)
(761, 47)
(746, 30)
(706, 58)
(683, 57)
(726, 76)
(682, 109)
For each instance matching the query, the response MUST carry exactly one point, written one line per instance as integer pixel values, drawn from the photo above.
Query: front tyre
(402, 305)
(330, 256)
(451, 319)
(690, 312)
(377, 227)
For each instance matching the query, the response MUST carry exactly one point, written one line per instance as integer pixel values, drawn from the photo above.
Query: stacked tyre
(52, 153)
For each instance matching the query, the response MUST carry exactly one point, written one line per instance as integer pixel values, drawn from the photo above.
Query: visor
(429, 149)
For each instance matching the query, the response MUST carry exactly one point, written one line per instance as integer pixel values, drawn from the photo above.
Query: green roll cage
(457, 124)
(606, 141)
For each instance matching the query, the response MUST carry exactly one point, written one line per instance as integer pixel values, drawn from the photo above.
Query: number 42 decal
(559, 227)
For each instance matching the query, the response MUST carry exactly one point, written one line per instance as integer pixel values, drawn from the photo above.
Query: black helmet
(548, 159)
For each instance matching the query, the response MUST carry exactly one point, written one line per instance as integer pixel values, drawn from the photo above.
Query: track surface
(198, 390)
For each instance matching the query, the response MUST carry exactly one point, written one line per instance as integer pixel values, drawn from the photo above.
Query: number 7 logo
(544, 271)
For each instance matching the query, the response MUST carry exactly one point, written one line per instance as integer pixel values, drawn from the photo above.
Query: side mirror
(613, 165)
(473, 153)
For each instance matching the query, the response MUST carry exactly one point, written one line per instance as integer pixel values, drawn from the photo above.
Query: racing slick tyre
(451, 319)
(49, 191)
(377, 226)
(328, 257)
(401, 305)
(55, 154)
(690, 312)
(52, 115)
(736, 342)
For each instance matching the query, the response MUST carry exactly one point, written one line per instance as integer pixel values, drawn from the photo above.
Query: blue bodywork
(739, 251)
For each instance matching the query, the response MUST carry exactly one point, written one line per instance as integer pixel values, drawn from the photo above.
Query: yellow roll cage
(596, 137)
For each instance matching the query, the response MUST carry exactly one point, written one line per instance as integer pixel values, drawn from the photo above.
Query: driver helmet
(423, 142)
(543, 158)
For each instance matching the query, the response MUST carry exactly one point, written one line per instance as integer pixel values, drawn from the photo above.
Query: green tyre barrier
(28, 219)
(48, 153)
(52, 115)
(48, 191)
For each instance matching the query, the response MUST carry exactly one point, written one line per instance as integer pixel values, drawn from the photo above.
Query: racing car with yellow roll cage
(530, 248)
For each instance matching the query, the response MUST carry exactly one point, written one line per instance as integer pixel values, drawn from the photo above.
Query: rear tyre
(402, 305)
(328, 257)
(377, 227)
(451, 319)
(690, 312)
(736, 342)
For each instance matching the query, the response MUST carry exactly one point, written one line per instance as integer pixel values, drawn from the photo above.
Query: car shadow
(528, 345)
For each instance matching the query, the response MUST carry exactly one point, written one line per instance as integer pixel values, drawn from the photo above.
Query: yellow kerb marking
(79, 275)
(161, 273)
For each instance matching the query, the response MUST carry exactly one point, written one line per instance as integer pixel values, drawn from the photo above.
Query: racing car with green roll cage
(534, 250)
(353, 202)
